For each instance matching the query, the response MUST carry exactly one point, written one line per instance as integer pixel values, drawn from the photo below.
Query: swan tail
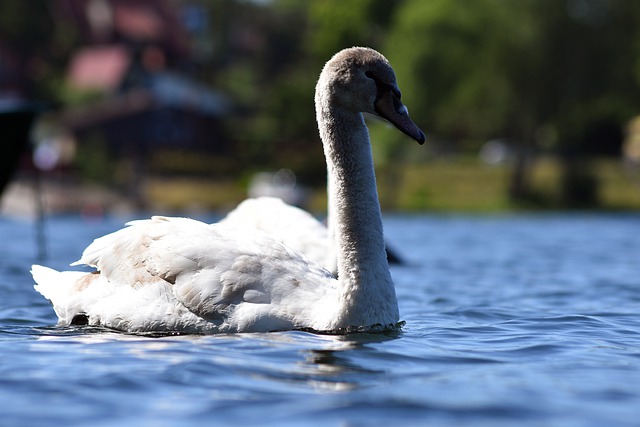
(45, 279)
(58, 287)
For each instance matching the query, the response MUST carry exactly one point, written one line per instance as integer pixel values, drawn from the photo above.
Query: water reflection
(337, 368)
(305, 360)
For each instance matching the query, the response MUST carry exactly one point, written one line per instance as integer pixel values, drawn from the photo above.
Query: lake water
(527, 320)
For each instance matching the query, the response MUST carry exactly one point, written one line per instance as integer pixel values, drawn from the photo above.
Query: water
(524, 320)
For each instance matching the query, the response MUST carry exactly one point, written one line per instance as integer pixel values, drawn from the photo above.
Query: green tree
(491, 68)
(587, 86)
(456, 57)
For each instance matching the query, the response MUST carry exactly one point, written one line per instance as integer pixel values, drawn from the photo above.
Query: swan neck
(355, 219)
(354, 210)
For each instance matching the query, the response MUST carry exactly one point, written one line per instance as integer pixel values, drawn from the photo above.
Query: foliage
(469, 71)
(455, 58)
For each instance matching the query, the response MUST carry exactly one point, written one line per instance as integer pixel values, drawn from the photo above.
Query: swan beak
(389, 107)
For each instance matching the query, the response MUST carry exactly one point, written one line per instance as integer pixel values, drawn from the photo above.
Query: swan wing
(231, 279)
(294, 227)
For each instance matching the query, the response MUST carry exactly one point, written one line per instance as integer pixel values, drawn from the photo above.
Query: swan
(178, 275)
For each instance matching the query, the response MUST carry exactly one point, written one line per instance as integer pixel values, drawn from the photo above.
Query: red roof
(109, 21)
(139, 21)
(99, 67)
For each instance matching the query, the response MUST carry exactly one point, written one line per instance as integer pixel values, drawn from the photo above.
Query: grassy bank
(461, 185)
(472, 186)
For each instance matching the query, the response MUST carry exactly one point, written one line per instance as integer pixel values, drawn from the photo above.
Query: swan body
(181, 275)
(155, 276)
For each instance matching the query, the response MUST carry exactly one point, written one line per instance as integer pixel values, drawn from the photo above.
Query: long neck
(367, 294)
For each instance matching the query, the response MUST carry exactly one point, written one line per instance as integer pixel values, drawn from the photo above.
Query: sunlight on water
(515, 320)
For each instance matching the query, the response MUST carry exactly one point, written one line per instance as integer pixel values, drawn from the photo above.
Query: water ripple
(515, 320)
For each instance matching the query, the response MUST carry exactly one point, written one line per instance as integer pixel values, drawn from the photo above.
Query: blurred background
(174, 105)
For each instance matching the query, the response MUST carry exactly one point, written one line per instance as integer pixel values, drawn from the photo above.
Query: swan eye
(382, 86)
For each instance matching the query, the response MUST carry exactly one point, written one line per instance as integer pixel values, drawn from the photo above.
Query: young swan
(180, 275)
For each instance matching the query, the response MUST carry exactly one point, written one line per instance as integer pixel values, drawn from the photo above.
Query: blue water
(527, 320)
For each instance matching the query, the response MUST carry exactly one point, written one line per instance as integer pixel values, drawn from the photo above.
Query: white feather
(288, 224)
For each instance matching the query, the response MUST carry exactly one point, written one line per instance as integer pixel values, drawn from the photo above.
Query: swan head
(362, 80)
